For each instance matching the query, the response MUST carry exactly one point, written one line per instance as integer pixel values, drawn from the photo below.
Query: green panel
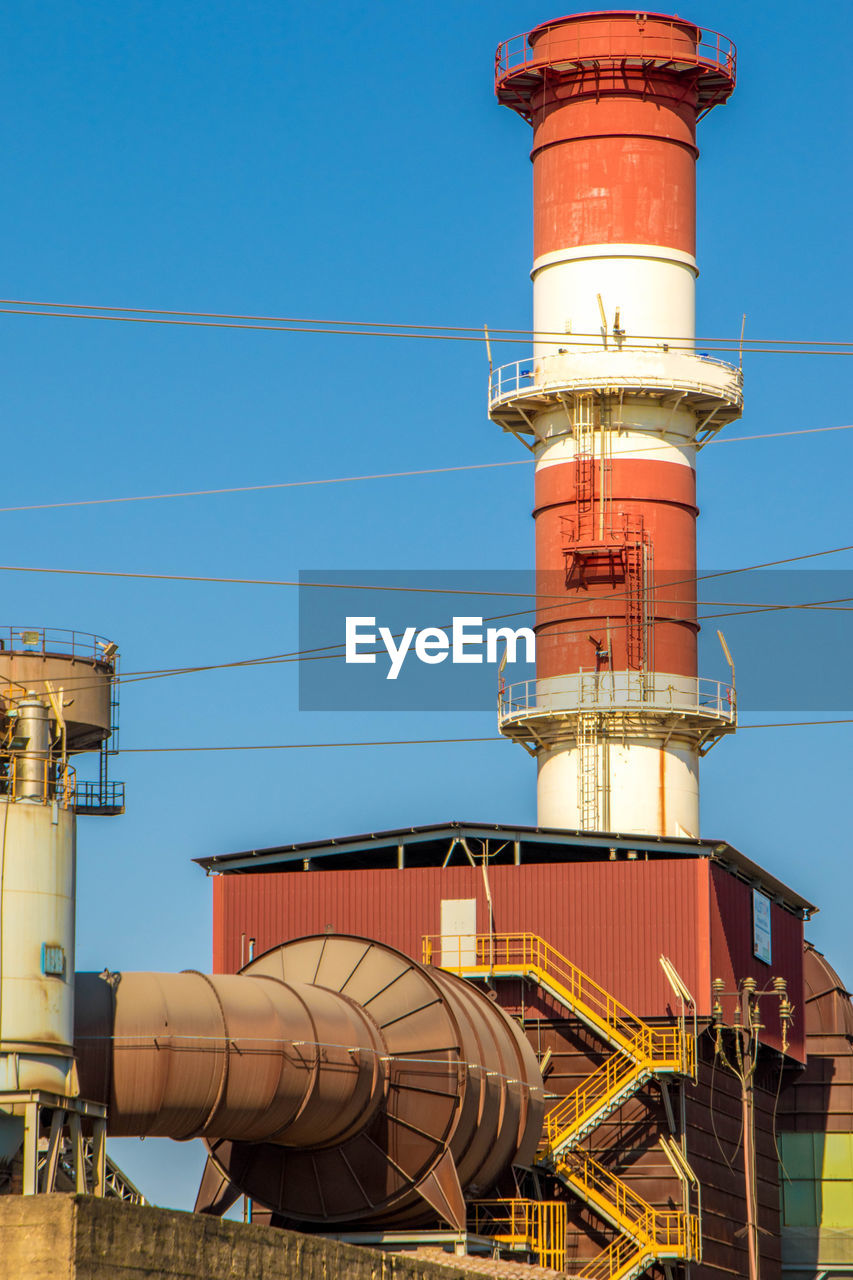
(819, 1143)
(837, 1204)
(837, 1156)
(799, 1207)
(797, 1151)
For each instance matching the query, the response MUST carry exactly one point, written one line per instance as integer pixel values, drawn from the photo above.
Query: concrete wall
(64, 1237)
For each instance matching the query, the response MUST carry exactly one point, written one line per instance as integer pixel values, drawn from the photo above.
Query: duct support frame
(28, 1108)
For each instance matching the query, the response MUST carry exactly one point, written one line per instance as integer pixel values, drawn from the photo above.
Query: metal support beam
(521, 439)
(667, 1102)
(31, 1148)
(57, 1120)
(78, 1155)
(99, 1157)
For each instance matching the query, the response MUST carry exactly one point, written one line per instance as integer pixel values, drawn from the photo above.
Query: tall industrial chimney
(617, 402)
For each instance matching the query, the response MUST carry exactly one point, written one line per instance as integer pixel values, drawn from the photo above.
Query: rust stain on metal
(662, 790)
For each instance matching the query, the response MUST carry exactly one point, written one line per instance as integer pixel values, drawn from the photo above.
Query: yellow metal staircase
(535, 1227)
(662, 1051)
(646, 1234)
(640, 1052)
(594, 1099)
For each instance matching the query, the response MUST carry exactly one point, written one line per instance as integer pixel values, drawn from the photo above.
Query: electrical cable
(781, 1162)
(80, 683)
(299, 746)
(793, 724)
(773, 435)
(351, 586)
(417, 590)
(371, 328)
(389, 742)
(685, 345)
(319, 653)
(83, 682)
(713, 1120)
(380, 475)
(323, 654)
(257, 488)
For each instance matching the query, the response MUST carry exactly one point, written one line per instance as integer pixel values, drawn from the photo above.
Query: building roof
(436, 843)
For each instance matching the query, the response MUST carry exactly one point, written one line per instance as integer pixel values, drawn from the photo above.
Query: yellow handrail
(617, 1260)
(493, 952)
(57, 782)
(534, 1226)
(665, 1231)
(646, 1233)
(511, 953)
(607, 1082)
(584, 1102)
(628, 1211)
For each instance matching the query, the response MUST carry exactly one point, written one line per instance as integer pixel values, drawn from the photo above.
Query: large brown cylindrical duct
(335, 1080)
(188, 1055)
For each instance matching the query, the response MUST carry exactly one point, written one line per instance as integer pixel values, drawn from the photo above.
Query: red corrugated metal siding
(732, 958)
(220, 897)
(612, 919)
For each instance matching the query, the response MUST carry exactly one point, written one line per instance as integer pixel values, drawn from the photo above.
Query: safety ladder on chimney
(589, 782)
(635, 549)
(640, 1052)
(584, 433)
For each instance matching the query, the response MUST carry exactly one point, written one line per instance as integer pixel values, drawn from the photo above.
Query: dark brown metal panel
(828, 1008)
(627, 1142)
(732, 954)
(820, 1098)
(612, 919)
(715, 1151)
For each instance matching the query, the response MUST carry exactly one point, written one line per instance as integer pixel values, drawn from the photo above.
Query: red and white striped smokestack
(616, 401)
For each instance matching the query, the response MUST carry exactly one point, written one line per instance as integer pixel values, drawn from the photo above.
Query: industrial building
(601, 1044)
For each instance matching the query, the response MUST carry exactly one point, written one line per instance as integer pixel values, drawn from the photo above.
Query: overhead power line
(321, 653)
(308, 746)
(332, 652)
(353, 586)
(404, 742)
(278, 484)
(378, 475)
(792, 724)
(382, 329)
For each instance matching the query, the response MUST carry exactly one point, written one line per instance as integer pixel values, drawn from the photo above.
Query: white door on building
(458, 932)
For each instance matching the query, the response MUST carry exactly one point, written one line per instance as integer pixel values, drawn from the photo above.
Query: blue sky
(350, 160)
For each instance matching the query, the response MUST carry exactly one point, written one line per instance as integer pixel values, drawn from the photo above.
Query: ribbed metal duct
(335, 1079)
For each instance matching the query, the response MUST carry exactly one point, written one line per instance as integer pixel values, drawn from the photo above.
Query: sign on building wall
(761, 937)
